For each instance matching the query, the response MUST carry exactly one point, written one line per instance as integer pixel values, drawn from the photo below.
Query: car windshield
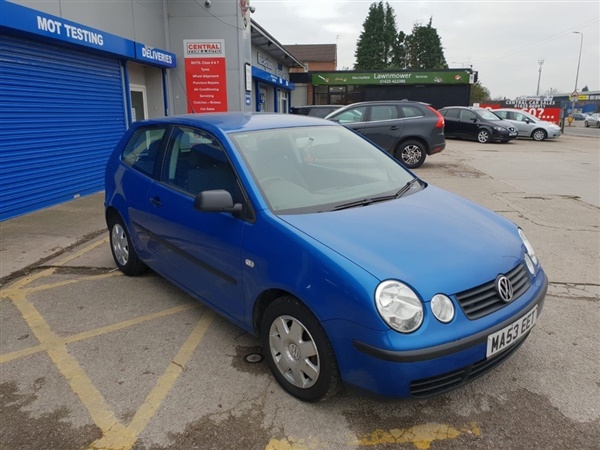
(322, 168)
(488, 115)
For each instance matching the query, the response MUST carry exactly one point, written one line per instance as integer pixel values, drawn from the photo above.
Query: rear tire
(298, 351)
(411, 154)
(121, 248)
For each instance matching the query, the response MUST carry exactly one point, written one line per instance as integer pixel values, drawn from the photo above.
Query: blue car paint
(433, 241)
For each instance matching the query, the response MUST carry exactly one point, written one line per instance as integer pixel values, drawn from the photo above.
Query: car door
(451, 121)
(384, 126)
(468, 124)
(524, 124)
(200, 251)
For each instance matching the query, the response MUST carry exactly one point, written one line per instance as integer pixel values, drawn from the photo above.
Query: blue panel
(61, 114)
(272, 79)
(28, 20)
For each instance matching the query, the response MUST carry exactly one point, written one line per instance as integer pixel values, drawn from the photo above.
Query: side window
(451, 113)
(502, 114)
(383, 112)
(411, 111)
(142, 150)
(196, 161)
(352, 115)
(520, 117)
(467, 116)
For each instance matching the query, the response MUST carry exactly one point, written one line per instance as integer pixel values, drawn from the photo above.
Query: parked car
(593, 120)
(528, 125)
(350, 269)
(314, 110)
(408, 130)
(476, 123)
(579, 116)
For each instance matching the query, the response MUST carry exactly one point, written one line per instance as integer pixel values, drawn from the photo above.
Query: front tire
(539, 135)
(122, 250)
(298, 351)
(411, 153)
(587, 124)
(484, 136)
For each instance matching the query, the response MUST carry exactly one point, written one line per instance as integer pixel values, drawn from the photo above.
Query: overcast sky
(503, 40)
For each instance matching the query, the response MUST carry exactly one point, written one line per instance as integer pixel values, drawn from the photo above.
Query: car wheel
(484, 136)
(586, 123)
(411, 153)
(539, 135)
(122, 250)
(598, 124)
(298, 351)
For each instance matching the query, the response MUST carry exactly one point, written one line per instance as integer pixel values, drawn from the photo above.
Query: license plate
(509, 335)
(512, 134)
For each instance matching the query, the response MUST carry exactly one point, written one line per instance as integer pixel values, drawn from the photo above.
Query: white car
(593, 120)
(528, 125)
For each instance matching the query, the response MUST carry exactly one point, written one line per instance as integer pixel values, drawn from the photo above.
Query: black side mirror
(218, 200)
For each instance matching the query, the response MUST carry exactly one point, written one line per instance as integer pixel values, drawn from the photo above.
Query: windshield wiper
(367, 201)
(404, 189)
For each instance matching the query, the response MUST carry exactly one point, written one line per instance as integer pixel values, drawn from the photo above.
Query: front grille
(451, 380)
(484, 299)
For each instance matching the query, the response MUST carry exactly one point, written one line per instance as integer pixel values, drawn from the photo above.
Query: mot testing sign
(205, 75)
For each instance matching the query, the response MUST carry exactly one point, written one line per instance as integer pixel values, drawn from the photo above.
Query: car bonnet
(433, 240)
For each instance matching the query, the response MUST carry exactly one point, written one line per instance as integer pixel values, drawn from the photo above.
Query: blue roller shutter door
(61, 113)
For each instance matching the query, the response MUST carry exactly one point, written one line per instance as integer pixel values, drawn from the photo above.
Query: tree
(370, 51)
(424, 48)
(479, 93)
(585, 89)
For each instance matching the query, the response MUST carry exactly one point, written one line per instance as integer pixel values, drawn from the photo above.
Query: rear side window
(451, 113)
(142, 150)
(411, 111)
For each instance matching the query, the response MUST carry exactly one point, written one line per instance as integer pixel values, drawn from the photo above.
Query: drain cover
(253, 358)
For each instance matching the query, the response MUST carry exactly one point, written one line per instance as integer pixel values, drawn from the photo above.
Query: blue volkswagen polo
(350, 269)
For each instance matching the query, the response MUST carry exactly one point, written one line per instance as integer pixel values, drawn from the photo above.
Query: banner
(402, 77)
(205, 75)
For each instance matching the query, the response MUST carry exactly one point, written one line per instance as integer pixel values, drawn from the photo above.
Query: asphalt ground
(90, 358)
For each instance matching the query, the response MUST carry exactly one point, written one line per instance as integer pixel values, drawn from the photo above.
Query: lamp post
(573, 97)
(540, 62)
(579, 60)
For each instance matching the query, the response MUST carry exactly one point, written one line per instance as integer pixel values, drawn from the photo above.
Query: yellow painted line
(68, 366)
(18, 285)
(126, 438)
(81, 252)
(421, 436)
(93, 333)
(45, 287)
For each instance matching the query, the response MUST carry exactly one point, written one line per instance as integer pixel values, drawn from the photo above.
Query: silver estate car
(528, 125)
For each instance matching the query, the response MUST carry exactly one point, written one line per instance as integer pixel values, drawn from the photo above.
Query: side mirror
(218, 200)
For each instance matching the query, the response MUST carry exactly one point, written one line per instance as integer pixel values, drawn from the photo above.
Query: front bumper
(432, 370)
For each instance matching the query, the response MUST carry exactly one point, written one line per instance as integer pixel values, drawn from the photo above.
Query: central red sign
(205, 76)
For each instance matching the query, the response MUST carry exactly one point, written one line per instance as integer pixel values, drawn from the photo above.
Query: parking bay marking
(115, 434)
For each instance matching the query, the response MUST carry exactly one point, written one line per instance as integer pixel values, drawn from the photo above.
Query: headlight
(399, 306)
(442, 308)
(528, 247)
(499, 129)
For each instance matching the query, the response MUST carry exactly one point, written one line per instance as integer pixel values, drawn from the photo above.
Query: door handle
(394, 127)
(156, 201)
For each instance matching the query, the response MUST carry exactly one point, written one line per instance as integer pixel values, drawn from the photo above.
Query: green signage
(402, 77)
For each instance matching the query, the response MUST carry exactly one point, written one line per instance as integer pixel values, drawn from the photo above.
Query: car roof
(474, 108)
(384, 102)
(239, 121)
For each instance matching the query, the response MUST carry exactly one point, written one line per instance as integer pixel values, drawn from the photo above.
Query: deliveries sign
(205, 75)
